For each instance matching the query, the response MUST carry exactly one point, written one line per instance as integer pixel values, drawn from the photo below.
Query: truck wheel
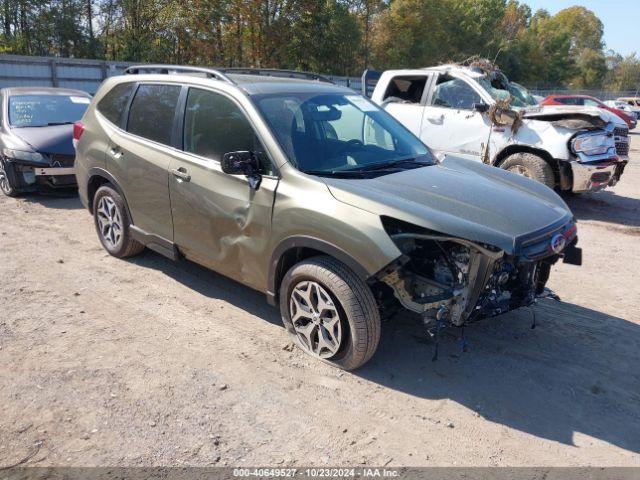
(112, 224)
(531, 166)
(7, 179)
(330, 312)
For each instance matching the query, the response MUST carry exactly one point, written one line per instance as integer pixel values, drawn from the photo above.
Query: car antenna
(496, 57)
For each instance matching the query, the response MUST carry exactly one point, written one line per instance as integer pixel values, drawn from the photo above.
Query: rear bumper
(592, 177)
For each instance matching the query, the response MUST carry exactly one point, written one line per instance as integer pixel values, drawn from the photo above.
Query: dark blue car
(36, 137)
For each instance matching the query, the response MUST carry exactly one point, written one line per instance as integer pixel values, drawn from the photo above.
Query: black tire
(120, 245)
(8, 181)
(358, 313)
(535, 167)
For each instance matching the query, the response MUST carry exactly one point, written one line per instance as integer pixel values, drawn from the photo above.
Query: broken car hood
(460, 198)
(544, 111)
(573, 117)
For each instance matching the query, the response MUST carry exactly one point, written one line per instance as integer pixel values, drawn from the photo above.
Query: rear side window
(115, 101)
(570, 100)
(407, 89)
(152, 112)
(215, 125)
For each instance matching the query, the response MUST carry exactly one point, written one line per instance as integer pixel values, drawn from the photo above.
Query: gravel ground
(147, 362)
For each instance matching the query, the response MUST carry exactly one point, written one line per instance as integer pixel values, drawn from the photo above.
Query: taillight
(78, 130)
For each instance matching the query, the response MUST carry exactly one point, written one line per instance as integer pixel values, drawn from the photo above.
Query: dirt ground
(148, 362)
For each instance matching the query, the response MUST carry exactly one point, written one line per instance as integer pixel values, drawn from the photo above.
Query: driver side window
(215, 125)
(454, 93)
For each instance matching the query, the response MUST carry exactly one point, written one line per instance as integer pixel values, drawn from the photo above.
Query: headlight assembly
(23, 155)
(598, 144)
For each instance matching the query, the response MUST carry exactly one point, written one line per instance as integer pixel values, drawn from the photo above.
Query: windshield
(502, 89)
(329, 133)
(44, 110)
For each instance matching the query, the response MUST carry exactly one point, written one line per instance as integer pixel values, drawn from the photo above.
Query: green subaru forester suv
(310, 193)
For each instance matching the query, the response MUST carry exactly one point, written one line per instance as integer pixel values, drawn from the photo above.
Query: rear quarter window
(115, 101)
(407, 89)
(152, 112)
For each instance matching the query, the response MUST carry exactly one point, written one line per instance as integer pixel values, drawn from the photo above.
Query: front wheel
(531, 166)
(330, 312)
(7, 179)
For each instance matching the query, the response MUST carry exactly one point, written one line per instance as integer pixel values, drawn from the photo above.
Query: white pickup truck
(478, 114)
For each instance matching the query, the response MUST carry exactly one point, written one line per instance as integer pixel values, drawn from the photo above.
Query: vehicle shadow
(59, 200)
(210, 284)
(605, 206)
(575, 374)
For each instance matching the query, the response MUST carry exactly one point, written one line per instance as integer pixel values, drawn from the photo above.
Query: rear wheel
(330, 312)
(7, 179)
(112, 224)
(531, 166)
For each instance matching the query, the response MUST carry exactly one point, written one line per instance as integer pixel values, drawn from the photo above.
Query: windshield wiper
(335, 173)
(413, 161)
(50, 124)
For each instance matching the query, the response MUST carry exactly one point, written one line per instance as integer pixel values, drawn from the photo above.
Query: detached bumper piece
(594, 176)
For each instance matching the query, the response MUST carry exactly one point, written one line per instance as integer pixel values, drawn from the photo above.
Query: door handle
(116, 152)
(439, 119)
(181, 174)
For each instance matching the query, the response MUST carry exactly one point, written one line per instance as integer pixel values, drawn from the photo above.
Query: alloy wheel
(109, 222)
(4, 179)
(315, 319)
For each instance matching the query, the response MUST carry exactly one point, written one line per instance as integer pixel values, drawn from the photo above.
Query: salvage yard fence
(87, 75)
(81, 74)
(26, 71)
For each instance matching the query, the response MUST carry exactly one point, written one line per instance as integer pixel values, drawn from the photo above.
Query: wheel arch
(300, 247)
(510, 150)
(99, 177)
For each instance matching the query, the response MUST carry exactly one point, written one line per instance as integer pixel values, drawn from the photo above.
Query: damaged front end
(30, 171)
(449, 280)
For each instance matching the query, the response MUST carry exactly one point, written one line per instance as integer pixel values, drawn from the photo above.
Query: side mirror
(481, 107)
(242, 163)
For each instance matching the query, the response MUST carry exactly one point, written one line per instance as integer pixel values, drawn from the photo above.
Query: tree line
(340, 37)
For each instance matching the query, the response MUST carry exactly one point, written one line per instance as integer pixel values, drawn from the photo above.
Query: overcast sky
(621, 19)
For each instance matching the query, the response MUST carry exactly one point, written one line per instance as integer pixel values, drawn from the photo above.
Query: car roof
(251, 81)
(260, 84)
(446, 68)
(43, 91)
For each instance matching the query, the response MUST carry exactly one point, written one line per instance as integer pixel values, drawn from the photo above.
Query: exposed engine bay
(456, 281)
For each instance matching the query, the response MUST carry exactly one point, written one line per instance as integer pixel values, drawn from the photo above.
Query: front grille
(622, 141)
(537, 246)
(622, 148)
(64, 161)
(621, 132)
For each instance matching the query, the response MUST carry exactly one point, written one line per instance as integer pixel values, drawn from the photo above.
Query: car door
(139, 157)
(219, 220)
(451, 124)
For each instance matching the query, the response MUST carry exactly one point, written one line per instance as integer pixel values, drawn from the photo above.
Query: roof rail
(274, 72)
(174, 69)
